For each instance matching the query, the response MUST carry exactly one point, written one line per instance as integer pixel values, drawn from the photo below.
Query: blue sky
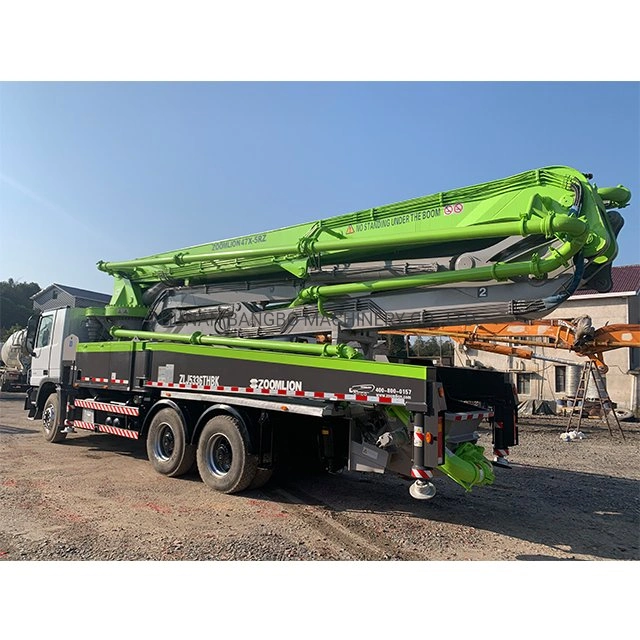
(112, 171)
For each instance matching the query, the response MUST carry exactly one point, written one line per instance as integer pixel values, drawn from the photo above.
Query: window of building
(523, 383)
(561, 379)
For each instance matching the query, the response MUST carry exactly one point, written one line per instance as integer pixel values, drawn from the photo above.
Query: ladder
(590, 371)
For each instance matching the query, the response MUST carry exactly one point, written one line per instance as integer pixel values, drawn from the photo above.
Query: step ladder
(591, 371)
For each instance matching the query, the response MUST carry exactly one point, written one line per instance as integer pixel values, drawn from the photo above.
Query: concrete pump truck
(239, 355)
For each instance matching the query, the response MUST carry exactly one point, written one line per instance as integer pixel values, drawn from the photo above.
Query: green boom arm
(554, 202)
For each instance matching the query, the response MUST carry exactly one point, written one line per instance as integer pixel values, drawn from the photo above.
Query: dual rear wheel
(223, 454)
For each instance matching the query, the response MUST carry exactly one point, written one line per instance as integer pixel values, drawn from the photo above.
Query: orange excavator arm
(577, 336)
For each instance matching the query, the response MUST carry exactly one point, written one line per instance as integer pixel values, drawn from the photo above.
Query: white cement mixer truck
(16, 362)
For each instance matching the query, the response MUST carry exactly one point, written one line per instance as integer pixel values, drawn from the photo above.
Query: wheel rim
(49, 418)
(218, 455)
(165, 442)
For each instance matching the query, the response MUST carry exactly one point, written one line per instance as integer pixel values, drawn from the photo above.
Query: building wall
(56, 297)
(52, 299)
(622, 384)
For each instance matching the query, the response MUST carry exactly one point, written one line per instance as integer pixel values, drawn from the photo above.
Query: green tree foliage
(15, 305)
(432, 346)
(420, 346)
(396, 346)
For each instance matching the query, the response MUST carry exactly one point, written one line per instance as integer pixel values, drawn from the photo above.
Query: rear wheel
(52, 431)
(167, 445)
(224, 459)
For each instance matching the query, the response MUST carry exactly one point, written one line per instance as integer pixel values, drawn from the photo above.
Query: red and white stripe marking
(317, 395)
(107, 406)
(104, 428)
(425, 474)
(105, 380)
(503, 453)
(469, 416)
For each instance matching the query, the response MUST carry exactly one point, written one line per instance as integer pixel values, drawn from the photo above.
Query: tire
(224, 459)
(261, 478)
(624, 415)
(52, 432)
(167, 446)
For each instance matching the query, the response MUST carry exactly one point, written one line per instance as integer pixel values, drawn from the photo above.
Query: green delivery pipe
(468, 466)
(497, 271)
(336, 351)
(548, 225)
(182, 258)
(618, 196)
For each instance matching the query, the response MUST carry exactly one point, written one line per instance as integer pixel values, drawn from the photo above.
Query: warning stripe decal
(421, 473)
(104, 428)
(106, 406)
(469, 416)
(105, 380)
(322, 395)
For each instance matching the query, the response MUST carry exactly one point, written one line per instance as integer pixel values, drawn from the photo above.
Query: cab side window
(44, 332)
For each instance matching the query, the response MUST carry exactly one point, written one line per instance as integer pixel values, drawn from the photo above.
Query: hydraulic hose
(551, 302)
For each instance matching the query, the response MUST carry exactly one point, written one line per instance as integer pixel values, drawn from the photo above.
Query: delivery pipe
(334, 351)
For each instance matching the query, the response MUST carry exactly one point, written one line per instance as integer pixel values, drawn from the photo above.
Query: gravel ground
(96, 497)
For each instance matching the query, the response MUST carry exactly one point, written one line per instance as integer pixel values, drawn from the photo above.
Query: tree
(396, 346)
(15, 305)
(433, 346)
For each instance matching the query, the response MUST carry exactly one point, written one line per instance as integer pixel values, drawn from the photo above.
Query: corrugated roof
(77, 293)
(625, 279)
(85, 293)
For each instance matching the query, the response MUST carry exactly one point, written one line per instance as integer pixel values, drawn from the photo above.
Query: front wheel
(224, 459)
(51, 429)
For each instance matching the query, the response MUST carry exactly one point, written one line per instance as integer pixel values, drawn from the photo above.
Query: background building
(553, 381)
(60, 295)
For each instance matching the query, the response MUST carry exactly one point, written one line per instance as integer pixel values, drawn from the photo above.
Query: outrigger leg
(422, 488)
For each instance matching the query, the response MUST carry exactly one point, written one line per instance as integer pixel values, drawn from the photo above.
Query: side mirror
(30, 339)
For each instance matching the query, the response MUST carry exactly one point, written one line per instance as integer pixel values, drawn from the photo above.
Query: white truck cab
(52, 342)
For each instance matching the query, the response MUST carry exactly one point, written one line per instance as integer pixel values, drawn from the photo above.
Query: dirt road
(96, 497)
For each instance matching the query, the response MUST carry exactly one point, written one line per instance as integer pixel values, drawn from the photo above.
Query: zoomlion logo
(275, 385)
